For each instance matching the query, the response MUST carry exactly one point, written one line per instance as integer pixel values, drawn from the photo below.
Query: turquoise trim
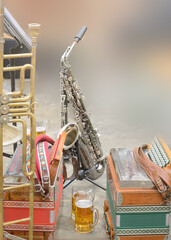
(107, 225)
(149, 220)
(138, 217)
(111, 203)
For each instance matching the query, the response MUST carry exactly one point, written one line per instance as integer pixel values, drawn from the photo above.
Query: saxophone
(89, 152)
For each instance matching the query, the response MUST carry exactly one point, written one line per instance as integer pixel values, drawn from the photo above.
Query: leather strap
(55, 156)
(158, 175)
(42, 178)
(75, 170)
(108, 221)
(43, 160)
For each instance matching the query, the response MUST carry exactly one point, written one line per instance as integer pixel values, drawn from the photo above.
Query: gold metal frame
(14, 106)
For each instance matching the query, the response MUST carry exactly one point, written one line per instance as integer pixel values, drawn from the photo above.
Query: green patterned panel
(143, 220)
(138, 217)
(111, 205)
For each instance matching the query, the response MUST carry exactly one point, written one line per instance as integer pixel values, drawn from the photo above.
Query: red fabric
(46, 139)
(41, 215)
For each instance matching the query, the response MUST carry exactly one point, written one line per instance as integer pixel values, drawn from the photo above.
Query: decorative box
(16, 205)
(25, 235)
(135, 206)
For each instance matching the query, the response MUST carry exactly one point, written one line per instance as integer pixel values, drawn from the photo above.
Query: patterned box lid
(129, 172)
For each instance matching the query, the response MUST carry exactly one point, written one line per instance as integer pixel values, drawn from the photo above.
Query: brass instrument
(72, 133)
(89, 147)
(14, 107)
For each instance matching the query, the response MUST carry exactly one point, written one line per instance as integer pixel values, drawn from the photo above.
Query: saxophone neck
(65, 56)
(64, 59)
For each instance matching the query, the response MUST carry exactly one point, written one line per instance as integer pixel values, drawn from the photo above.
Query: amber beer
(41, 128)
(74, 195)
(40, 131)
(84, 212)
(73, 205)
(81, 192)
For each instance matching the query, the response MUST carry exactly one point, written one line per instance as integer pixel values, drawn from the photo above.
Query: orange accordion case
(46, 209)
(133, 208)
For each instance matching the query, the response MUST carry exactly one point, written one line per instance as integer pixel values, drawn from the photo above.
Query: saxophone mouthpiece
(80, 35)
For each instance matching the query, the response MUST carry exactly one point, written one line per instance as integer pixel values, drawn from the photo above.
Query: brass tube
(1, 125)
(31, 209)
(16, 186)
(15, 120)
(16, 221)
(18, 107)
(24, 99)
(22, 104)
(6, 69)
(32, 143)
(18, 110)
(34, 30)
(33, 62)
(21, 55)
(22, 77)
(27, 98)
(32, 163)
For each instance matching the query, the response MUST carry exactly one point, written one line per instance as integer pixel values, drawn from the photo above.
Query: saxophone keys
(70, 79)
(61, 74)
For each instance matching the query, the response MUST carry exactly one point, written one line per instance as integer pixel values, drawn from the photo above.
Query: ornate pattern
(28, 157)
(118, 238)
(24, 204)
(24, 227)
(51, 193)
(142, 209)
(42, 155)
(119, 199)
(145, 231)
(107, 225)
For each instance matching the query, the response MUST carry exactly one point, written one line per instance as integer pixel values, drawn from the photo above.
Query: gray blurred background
(122, 65)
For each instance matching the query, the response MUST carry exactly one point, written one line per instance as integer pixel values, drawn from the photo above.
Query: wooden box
(36, 236)
(16, 206)
(136, 212)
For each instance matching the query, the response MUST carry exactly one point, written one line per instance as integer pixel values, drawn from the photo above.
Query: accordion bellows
(134, 205)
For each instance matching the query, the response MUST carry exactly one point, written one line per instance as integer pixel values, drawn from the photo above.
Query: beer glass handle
(96, 214)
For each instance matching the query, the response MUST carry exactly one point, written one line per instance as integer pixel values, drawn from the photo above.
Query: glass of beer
(79, 191)
(86, 216)
(41, 128)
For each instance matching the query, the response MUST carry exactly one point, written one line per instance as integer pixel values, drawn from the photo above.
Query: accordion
(46, 201)
(134, 208)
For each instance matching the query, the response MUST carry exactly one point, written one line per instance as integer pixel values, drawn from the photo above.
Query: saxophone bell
(94, 169)
(72, 133)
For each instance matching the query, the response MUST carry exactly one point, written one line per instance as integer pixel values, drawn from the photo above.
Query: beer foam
(84, 203)
(40, 129)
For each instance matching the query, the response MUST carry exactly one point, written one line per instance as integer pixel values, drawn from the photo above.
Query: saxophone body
(89, 148)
